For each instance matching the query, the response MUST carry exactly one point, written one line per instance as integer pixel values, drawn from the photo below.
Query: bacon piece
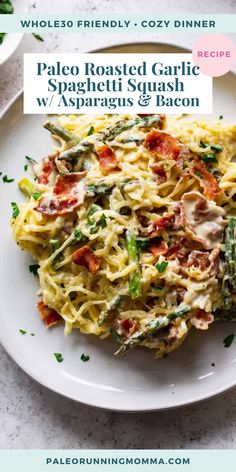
(176, 247)
(163, 222)
(202, 319)
(206, 179)
(145, 114)
(84, 256)
(46, 171)
(126, 326)
(165, 146)
(198, 259)
(68, 194)
(160, 172)
(68, 183)
(107, 158)
(159, 248)
(48, 315)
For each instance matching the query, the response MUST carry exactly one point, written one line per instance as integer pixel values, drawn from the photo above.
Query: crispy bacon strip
(48, 315)
(206, 179)
(84, 256)
(165, 146)
(126, 327)
(46, 171)
(160, 172)
(176, 247)
(162, 223)
(107, 158)
(68, 194)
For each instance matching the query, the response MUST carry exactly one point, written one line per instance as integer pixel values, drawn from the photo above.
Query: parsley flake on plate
(161, 266)
(58, 356)
(84, 358)
(22, 331)
(15, 209)
(7, 180)
(33, 268)
(228, 340)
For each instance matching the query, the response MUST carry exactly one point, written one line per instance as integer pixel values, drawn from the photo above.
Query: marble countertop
(32, 417)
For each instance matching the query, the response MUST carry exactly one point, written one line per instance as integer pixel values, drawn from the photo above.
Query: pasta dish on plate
(132, 224)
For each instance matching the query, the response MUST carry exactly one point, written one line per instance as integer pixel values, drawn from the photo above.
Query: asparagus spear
(230, 250)
(100, 189)
(109, 134)
(80, 150)
(143, 122)
(133, 253)
(139, 336)
(155, 325)
(114, 303)
(63, 133)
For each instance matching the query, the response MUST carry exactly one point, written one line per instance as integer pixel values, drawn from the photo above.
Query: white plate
(11, 41)
(135, 382)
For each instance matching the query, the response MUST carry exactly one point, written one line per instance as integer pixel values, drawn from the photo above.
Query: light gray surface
(32, 416)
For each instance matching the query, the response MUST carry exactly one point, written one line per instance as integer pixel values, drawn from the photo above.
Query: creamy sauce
(204, 219)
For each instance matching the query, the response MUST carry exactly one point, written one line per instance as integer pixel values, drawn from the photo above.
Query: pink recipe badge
(214, 54)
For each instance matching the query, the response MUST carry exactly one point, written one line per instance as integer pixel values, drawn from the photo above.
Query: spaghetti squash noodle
(131, 221)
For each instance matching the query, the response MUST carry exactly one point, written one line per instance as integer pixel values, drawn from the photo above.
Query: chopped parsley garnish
(7, 179)
(228, 340)
(32, 334)
(38, 37)
(30, 159)
(36, 195)
(15, 209)
(84, 358)
(161, 266)
(54, 244)
(209, 158)
(157, 289)
(33, 268)
(78, 236)
(142, 243)
(25, 167)
(216, 148)
(91, 130)
(58, 356)
(22, 331)
(221, 117)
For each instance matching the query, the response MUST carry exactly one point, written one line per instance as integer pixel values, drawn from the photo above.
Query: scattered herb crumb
(30, 159)
(221, 117)
(25, 167)
(32, 334)
(58, 356)
(161, 267)
(85, 358)
(15, 209)
(90, 131)
(38, 37)
(228, 340)
(33, 268)
(213, 364)
(22, 331)
(7, 180)
(36, 195)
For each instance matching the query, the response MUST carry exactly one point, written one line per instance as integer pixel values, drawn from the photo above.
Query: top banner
(221, 23)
